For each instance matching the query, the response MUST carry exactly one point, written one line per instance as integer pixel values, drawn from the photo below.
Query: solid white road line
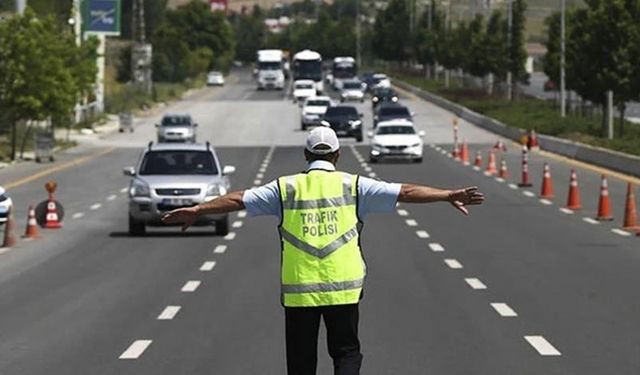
(513, 186)
(230, 236)
(169, 313)
(207, 266)
(528, 193)
(95, 206)
(190, 286)
(453, 264)
(124, 189)
(590, 220)
(242, 214)
(77, 215)
(475, 283)
(411, 223)
(112, 197)
(504, 310)
(566, 211)
(220, 249)
(237, 224)
(436, 247)
(546, 202)
(422, 234)
(620, 232)
(542, 346)
(136, 349)
(403, 213)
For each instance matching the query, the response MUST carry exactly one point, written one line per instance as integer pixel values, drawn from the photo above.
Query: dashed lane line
(513, 186)
(169, 313)
(262, 169)
(546, 202)
(436, 247)
(422, 234)
(542, 346)
(112, 197)
(230, 236)
(95, 206)
(372, 175)
(475, 283)
(260, 175)
(500, 179)
(135, 350)
(220, 249)
(190, 286)
(567, 211)
(504, 310)
(77, 215)
(411, 223)
(242, 214)
(528, 193)
(367, 169)
(453, 264)
(403, 212)
(257, 182)
(590, 220)
(124, 189)
(621, 232)
(237, 224)
(208, 266)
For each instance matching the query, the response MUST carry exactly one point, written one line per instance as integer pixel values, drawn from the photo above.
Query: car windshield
(395, 129)
(215, 74)
(307, 69)
(269, 65)
(176, 121)
(341, 112)
(352, 85)
(318, 103)
(304, 86)
(385, 92)
(394, 111)
(178, 162)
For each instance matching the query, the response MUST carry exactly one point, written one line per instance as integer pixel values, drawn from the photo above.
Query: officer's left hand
(465, 197)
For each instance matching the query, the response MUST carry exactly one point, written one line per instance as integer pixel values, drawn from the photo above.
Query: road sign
(102, 17)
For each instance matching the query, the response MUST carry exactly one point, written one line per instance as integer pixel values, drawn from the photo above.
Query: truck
(269, 69)
(343, 69)
(307, 64)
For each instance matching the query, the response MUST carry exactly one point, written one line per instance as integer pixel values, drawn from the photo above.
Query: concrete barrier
(617, 161)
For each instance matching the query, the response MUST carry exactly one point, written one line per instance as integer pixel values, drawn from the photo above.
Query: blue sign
(102, 17)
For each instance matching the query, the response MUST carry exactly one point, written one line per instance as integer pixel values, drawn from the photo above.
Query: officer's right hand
(187, 216)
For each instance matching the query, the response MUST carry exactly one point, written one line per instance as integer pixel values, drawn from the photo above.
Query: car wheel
(359, 137)
(303, 126)
(373, 160)
(136, 228)
(222, 226)
(417, 160)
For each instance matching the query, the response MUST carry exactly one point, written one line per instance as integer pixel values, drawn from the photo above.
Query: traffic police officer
(321, 212)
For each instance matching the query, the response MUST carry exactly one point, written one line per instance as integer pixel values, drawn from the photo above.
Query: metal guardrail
(618, 161)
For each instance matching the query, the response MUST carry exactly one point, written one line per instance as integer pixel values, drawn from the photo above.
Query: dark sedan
(383, 95)
(344, 120)
(391, 111)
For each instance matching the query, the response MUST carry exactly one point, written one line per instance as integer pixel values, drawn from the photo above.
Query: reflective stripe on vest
(321, 262)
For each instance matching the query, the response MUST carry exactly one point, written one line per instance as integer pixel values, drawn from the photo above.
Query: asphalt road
(518, 287)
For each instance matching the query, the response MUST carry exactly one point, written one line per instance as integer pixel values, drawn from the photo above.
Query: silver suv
(170, 176)
(177, 128)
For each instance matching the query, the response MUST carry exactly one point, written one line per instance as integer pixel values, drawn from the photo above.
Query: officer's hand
(187, 216)
(465, 197)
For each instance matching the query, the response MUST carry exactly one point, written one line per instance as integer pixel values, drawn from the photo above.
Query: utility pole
(358, 34)
(20, 5)
(509, 42)
(563, 91)
(141, 52)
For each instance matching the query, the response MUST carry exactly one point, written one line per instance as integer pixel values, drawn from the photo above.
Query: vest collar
(321, 164)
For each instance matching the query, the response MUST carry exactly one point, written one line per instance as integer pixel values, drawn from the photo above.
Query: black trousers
(302, 325)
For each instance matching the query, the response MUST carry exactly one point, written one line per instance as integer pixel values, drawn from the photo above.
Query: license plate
(341, 132)
(177, 202)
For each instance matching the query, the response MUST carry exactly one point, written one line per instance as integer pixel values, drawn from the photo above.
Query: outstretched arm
(187, 216)
(459, 198)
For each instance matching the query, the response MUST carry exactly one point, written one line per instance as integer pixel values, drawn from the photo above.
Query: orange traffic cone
(547, 183)
(604, 203)
(573, 199)
(52, 220)
(500, 146)
(9, 238)
(32, 225)
(478, 162)
(630, 213)
(464, 154)
(491, 166)
(504, 172)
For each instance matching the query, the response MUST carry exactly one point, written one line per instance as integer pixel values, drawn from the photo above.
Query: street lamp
(563, 93)
(509, 42)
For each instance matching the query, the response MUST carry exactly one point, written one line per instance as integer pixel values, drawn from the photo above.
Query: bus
(307, 64)
(343, 68)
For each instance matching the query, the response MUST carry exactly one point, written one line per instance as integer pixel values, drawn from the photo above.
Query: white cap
(322, 140)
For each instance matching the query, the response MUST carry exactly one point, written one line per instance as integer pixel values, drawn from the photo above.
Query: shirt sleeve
(262, 200)
(376, 196)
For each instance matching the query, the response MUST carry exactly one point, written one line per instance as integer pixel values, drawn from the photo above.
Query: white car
(313, 109)
(6, 204)
(215, 79)
(352, 90)
(381, 81)
(396, 139)
(302, 89)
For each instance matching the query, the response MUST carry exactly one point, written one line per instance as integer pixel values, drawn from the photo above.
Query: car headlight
(139, 189)
(375, 99)
(325, 123)
(394, 99)
(355, 123)
(216, 190)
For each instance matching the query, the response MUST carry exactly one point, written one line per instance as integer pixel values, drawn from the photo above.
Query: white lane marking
(237, 224)
(403, 213)
(95, 206)
(566, 211)
(528, 193)
(546, 202)
(207, 266)
(124, 189)
(230, 236)
(476, 168)
(500, 179)
(220, 249)
(364, 164)
(620, 232)
(367, 169)
(504, 310)
(453, 264)
(190, 286)
(242, 214)
(590, 220)
(260, 175)
(264, 165)
(475, 283)
(372, 175)
(169, 313)
(257, 182)
(422, 234)
(77, 215)
(411, 223)
(5, 249)
(112, 197)
(513, 186)
(135, 350)
(542, 346)
(436, 247)
(262, 169)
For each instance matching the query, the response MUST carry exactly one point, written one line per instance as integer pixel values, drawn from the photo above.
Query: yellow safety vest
(322, 262)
